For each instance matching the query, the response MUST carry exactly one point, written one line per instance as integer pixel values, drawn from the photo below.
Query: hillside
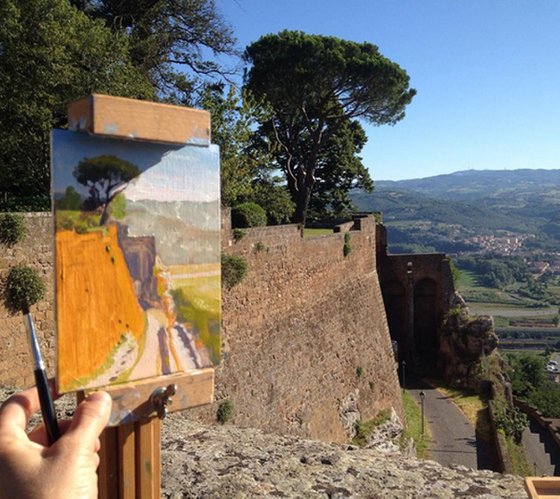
(437, 213)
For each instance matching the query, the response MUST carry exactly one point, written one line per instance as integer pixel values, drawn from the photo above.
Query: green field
(309, 233)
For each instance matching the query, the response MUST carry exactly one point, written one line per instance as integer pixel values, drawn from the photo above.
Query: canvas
(137, 231)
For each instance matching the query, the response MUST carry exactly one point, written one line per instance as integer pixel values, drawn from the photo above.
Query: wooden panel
(127, 456)
(131, 400)
(542, 487)
(132, 119)
(148, 459)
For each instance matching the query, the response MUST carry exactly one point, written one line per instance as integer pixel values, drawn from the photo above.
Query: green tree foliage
(528, 373)
(50, 55)
(547, 399)
(170, 40)
(317, 87)
(339, 170)
(270, 192)
(105, 176)
(495, 272)
(234, 117)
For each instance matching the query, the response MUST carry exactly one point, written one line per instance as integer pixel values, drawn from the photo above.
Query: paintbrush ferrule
(33, 343)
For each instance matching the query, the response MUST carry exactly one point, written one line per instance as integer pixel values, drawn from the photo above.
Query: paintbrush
(45, 398)
(24, 288)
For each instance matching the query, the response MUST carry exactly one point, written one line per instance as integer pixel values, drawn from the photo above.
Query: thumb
(90, 418)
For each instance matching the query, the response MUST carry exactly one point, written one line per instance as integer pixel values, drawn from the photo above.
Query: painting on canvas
(137, 229)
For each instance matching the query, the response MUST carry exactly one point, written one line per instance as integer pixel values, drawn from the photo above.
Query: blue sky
(487, 74)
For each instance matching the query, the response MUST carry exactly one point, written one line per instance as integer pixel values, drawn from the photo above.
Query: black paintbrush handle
(47, 406)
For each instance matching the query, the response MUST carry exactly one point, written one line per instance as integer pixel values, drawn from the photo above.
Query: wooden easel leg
(130, 461)
(148, 458)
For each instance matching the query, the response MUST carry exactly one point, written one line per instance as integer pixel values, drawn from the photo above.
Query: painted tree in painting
(105, 176)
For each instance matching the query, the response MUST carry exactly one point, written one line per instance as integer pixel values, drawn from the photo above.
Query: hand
(66, 469)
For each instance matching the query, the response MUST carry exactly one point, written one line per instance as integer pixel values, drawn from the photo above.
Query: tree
(169, 40)
(528, 373)
(50, 54)
(234, 117)
(316, 86)
(105, 176)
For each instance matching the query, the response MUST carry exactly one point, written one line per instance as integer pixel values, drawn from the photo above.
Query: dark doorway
(425, 319)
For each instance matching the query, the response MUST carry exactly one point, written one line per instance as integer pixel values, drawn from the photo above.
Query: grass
(364, 428)
(518, 459)
(413, 429)
(310, 233)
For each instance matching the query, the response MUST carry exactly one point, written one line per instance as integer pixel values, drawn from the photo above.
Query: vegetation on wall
(12, 228)
(346, 248)
(225, 411)
(24, 287)
(234, 270)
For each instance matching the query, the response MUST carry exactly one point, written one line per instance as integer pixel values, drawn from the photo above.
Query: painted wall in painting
(138, 259)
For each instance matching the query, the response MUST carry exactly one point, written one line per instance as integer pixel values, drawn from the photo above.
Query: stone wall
(306, 347)
(306, 344)
(35, 251)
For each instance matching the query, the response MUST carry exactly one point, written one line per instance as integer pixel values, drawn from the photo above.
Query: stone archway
(425, 318)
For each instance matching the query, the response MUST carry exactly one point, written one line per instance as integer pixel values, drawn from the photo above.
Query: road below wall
(453, 438)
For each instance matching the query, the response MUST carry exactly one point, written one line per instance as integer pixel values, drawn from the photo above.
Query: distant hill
(522, 201)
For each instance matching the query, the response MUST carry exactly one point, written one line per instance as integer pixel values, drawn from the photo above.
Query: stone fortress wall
(306, 346)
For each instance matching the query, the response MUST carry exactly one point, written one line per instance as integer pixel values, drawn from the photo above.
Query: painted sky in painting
(169, 182)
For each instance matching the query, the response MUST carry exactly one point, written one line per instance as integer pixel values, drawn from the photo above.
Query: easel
(130, 464)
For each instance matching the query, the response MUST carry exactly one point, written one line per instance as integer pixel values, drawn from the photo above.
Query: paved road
(453, 437)
(541, 452)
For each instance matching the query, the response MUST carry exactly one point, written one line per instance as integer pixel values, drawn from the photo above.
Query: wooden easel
(130, 452)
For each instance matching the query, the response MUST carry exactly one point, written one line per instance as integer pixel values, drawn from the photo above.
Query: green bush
(24, 287)
(225, 411)
(259, 246)
(12, 228)
(234, 270)
(248, 215)
(359, 371)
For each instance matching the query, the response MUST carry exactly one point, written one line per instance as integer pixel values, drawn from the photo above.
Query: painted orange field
(96, 304)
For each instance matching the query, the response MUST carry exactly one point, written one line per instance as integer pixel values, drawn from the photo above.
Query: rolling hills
(443, 212)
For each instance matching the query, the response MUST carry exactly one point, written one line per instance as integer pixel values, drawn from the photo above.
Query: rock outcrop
(464, 340)
(230, 462)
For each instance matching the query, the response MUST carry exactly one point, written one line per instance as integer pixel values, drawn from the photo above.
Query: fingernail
(102, 397)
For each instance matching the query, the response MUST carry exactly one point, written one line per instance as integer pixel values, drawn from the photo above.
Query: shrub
(259, 246)
(24, 287)
(359, 371)
(510, 420)
(248, 215)
(234, 269)
(346, 249)
(224, 412)
(238, 234)
(12, 228)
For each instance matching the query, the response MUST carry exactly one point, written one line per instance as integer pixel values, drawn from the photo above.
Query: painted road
(453, 437)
